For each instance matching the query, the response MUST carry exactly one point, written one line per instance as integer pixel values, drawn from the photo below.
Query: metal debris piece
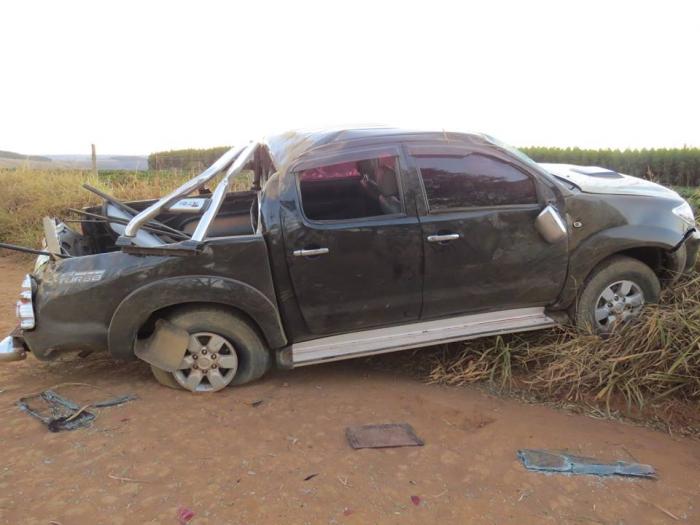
(546, 461)
(382, 436)
(64, 414)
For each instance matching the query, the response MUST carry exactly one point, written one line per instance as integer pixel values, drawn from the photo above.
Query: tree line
(670, 166)
(185, 159)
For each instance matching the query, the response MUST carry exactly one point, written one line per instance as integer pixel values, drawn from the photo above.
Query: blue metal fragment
(559, 462)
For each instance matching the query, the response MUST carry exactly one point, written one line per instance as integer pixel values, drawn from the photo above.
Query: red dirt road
(231, 462)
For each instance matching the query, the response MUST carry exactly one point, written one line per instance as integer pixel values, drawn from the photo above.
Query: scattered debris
(347, 511)
(415, 500)
(310, 476)
(128, 480)
(64, 414)
(184, 515)
(546, 461)
(257, 403)
(382, 436)
(344, 481)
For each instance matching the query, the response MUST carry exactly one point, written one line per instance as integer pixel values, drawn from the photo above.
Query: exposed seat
(224, 226)
(388, 191)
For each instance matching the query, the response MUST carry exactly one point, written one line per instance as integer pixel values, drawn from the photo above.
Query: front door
(482, 251)
(353, 251)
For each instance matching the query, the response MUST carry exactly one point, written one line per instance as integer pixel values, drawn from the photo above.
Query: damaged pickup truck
(350, 243)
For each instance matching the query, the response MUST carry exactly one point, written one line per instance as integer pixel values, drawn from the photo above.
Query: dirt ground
(232, 461)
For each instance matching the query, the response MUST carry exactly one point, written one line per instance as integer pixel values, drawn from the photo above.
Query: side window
(351, 190)
(472, 181)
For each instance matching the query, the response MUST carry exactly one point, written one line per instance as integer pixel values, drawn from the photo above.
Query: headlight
(25, 308)
(685, 212)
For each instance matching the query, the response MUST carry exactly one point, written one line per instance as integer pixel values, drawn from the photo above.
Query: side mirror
(550, 225)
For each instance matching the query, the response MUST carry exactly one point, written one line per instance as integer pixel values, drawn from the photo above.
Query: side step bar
(381, 340)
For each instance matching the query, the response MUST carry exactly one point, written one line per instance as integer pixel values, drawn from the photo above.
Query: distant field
(12, 160)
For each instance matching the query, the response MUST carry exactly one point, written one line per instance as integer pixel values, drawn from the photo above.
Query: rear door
(353, 244)
(482, 251)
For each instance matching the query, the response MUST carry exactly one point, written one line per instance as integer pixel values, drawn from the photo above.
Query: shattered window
(351, 190)
(473, 181)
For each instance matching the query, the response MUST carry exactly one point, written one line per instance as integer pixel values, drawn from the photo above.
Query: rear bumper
(12, 348)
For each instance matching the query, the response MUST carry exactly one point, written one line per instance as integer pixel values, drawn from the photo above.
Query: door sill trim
(424, 333)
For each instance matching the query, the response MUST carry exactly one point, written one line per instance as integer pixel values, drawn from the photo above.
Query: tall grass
(654, 359)
(29, 195)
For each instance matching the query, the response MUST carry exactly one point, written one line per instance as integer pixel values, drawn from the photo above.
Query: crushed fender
(555, 462)
(61, 413)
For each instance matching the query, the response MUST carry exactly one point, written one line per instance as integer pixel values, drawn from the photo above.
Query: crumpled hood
(593, 179)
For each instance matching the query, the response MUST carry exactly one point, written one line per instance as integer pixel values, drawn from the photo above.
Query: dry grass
(649, 363)
(28, 195)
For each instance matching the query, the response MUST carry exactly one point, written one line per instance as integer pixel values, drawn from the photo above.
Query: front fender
(138, 306)
(590, 252)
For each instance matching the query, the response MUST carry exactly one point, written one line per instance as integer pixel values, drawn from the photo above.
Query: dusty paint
(379, 272)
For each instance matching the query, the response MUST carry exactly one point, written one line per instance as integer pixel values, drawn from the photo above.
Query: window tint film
(474, 180)
(351, 190)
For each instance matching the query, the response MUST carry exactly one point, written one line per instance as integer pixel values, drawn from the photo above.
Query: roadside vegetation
(674, 167)
(185, 159)
(648, 371)
(29, 195)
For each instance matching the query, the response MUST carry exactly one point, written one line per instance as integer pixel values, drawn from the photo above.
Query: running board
(381, 340)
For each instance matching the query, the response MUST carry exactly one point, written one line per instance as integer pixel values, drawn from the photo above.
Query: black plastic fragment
(62, 413)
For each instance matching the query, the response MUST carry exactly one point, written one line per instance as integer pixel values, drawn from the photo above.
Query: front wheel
(223, 350)
(615, 292)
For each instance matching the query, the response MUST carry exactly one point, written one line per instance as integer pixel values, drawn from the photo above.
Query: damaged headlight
(685, 212)
(25, 308)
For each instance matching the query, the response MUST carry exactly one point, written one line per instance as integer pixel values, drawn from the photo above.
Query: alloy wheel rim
(209, 364)
(617, 303)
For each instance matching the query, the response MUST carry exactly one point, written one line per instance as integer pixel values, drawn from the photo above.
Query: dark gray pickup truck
(350, 242)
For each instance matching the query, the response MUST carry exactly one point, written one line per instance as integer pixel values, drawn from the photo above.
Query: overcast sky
(140, 76)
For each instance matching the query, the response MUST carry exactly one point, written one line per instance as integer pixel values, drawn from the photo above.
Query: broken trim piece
(165, 348)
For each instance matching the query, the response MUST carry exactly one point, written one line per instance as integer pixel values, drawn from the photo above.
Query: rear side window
(473, 181)
(351, 190)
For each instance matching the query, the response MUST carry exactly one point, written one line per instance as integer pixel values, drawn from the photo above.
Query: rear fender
(137, 307)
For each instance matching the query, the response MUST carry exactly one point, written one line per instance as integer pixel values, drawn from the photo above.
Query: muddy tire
(239, 355)
(615, 292)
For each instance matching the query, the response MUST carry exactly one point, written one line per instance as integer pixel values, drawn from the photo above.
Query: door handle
(310, 252)
(443, 237)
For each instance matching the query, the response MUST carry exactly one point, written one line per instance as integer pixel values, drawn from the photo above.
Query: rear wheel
(223, 350)
(615, 292)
